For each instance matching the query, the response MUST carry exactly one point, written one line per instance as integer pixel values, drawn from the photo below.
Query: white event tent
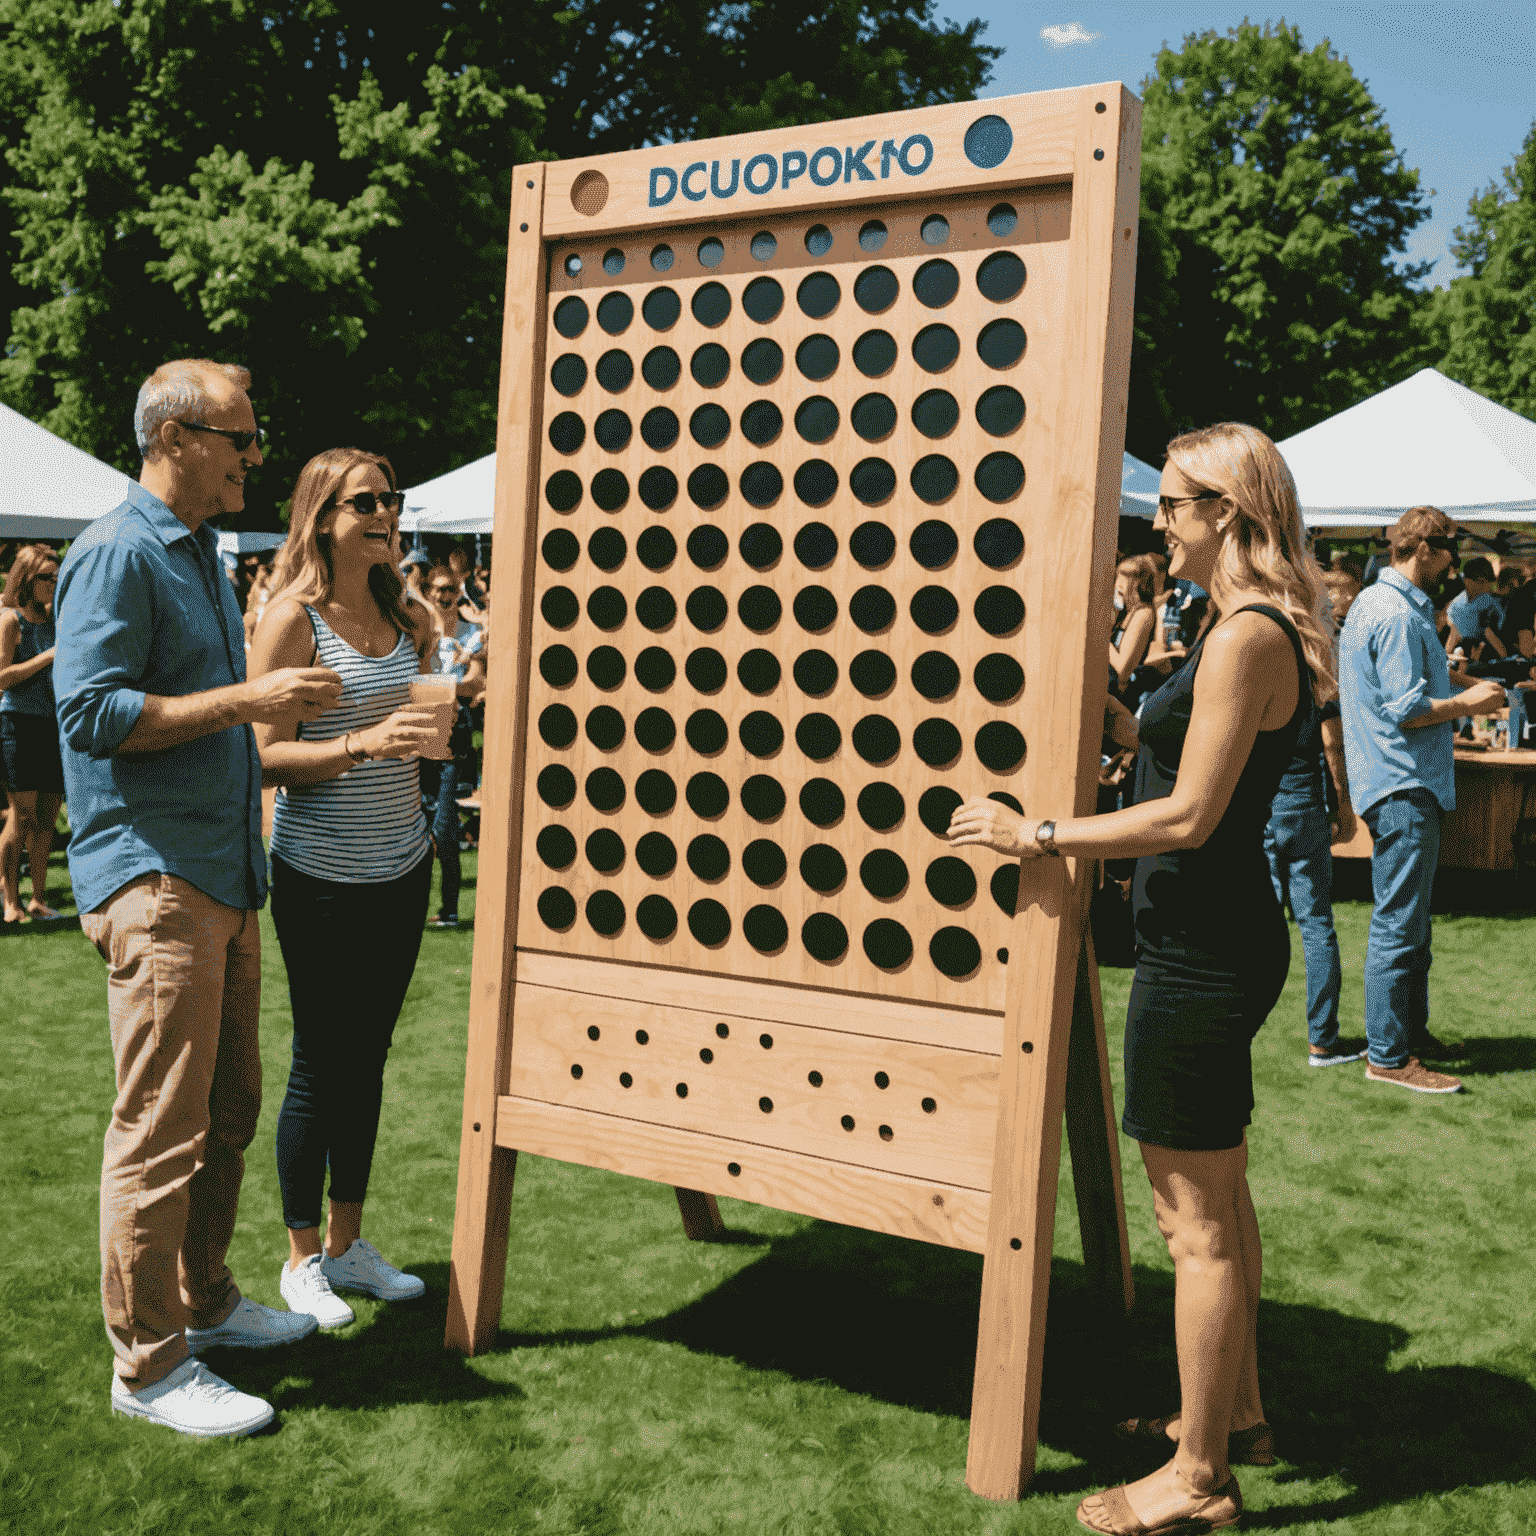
(49, 489)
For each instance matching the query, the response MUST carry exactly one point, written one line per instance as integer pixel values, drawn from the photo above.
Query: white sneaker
(252, 1326)
(363, 1268)
(306, 1289)
(193, 1401)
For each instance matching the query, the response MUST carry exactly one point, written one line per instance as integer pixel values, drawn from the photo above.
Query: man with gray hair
(164, 787)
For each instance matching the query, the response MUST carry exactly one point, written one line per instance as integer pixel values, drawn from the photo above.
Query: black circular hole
(999, 610)
(887, 1134)
(710, 365)
(708, 486)
(657, 917)
(615, 311)
(561, 549)
(706, 1055)
(575, 1066)
(936, 283)
(606, 667)
(706, 732)
(758, 671)
(709, 858)
(825, 939)
(763, 862)
(998, 678)
(656, 608)
(935, 348)
(658, 490)
(709, 426)
(817, 357)
(656, 792)
(707, 795)
(935, 413)
(607, 607)
(935, 230)
(560, 607)
(818, 295)
(872, 609)
(872, 236)
(661, 307)
(1000, 746)
(935, 675)
(937, 742)
(765, 929)
(1000, 476)
(710, 924)
(625, 1080)
(656, 547)
(872, 481)
(874, 354)
(557, 786)
(605, 728)
(557, 908)
(763, 299)
(889, 946)
(705, 669)
(556, 847)
(661, 368)
(999, 543)
(815, 673)
(951, 881)
(711, 304)
(557, 726)
(876, 739)
(613, 264)
(567, 432)
(1005, 890)
(1000, 276)
(821, 802)
(814, 1079)
(760, 546)
(929, 1105)
(815, 482)
(847, 1120)
(571, 317)
(610, 489)
(605, 912)
(818, 239)
(760, 733)
(872, 545)
(934, 609)
(816, 420)
(605, 853)
(711, 252)
(1001, 343)
(615, 371)
(934, 544)
(873, 418)
(816, 546)
(763, 360)
(818, 736)
(655, 730)
(656, 854)
(708, 546)
(882, 806)
(876, 289)
(1002, 220)
(557, 666)
(682, 1090)
(873, 673)
(762, 798)
(563, 490)
(734, 1169)
(765, 1104)
(822, 868)
(569, 374)
(761, 422)
(607, 549)
(955, 952)
(605, 790)
(761, 484)
(884, 873)
(1000, 410)
(815, 609)
(934, 478)
(759, 608)
(1004, 798)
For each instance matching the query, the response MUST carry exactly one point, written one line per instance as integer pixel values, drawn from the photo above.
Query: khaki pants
(183, 995)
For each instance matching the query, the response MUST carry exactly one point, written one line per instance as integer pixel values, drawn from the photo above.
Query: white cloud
(1063, 36)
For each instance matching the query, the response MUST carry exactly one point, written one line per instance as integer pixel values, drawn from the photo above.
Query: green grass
(795, 1377)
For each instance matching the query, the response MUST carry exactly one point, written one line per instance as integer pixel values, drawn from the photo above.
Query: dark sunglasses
(366, 503)
(1166, 504)
(1442, 541)
(241, 440)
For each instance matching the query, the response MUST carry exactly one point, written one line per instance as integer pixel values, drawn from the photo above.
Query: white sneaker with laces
(252, 1326)
(193, 1401)
(363, 1268)
(306, 1289)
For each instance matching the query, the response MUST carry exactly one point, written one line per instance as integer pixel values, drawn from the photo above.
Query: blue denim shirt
(144, 607)
(1391, 668)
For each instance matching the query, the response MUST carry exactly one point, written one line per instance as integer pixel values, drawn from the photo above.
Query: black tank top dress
(1211, 941)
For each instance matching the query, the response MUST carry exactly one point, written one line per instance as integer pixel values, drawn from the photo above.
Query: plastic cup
(437, 691)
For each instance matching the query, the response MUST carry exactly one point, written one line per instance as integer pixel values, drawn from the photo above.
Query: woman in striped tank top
(351, 859)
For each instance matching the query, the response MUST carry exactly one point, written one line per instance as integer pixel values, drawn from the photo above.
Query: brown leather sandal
(1216, 1511)
(1251, 1447)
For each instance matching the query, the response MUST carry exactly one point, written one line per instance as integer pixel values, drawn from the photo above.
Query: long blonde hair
(303, 569)
(25, 569)
(1264, 546)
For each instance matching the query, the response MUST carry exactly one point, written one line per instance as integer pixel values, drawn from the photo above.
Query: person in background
(1343, 589)
(1474, 615)
(256, 599)
(164, 788)
(1398, 707)
(351, 861)
(1380, 560)
(411, 568)
(1135, 619)
(30, 766)
(1517, 634)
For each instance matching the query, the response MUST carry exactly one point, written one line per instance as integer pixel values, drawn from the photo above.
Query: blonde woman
(1214, 947)
(351, 860)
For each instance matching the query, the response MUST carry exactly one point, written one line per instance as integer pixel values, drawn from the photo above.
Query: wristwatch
(1045, 838)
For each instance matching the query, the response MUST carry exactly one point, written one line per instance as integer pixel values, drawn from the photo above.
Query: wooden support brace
(701, 1214)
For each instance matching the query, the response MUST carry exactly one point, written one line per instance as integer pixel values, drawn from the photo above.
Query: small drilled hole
(593, 1031)
(575, 1069)
(766, 1041)
(847, 1122)
(1015, 1244)
(1098, 154)
(625, 1080)
(1027, 1047)
(706, 1055)
(722, 1030)
(734, 1169)
(814, 1079)
(1098, 106)
(886, 1133)
(765, 1104)
(477, 1125)
(1002, 956)
(881, 1080)
(929, 1105)
(641, 1038)
(682, 1090)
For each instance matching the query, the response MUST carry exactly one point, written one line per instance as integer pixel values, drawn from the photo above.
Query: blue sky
(1457, 81)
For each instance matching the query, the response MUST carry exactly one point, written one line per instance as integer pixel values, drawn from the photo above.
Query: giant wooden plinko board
(808, 473)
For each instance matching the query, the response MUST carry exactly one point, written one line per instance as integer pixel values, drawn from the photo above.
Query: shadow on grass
(1489, 1055)
(896, 1321)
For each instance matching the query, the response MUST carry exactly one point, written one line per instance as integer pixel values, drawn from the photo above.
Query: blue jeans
(1406, 829)
(440, 791)
(1301, 865)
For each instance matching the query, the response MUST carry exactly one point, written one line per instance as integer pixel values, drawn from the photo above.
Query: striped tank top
(367, 825)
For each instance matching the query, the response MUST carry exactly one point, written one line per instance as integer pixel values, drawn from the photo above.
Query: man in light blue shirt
(1395, 693)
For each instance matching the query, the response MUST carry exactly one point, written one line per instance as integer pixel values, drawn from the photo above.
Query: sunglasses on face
(1441, 541)
(1166, 504)
(240, 440)
(366, 503)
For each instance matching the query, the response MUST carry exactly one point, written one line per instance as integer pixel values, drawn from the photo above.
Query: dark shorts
(1188, 1043)
(29, 754)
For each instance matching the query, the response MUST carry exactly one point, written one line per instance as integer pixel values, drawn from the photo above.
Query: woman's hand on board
(983, 823)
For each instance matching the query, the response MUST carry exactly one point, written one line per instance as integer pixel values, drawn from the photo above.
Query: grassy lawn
(795, 1377)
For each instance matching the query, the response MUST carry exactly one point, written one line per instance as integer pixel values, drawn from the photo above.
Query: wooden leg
(1094, 1145)
(701, 1215)
(477, 1273)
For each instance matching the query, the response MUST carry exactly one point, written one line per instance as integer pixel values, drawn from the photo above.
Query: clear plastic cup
(437, 691)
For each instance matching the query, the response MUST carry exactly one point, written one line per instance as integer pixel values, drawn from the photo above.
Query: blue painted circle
(988, 142)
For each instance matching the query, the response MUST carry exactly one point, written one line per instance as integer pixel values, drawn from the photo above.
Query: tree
(1274, 208)
(1482, 326)
(320, 188)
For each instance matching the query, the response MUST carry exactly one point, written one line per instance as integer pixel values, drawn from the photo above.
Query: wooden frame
(868, 1041)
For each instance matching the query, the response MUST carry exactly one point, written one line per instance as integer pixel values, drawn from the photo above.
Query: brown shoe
(1415, 1075)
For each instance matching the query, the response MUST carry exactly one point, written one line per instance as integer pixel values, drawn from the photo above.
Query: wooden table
(1493, 790)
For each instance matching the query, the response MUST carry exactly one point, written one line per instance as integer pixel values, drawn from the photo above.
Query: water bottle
(1515, 698)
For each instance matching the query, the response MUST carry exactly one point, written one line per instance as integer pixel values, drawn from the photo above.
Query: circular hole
(816, 546)
(934, 609)
(610, 489)
(935, 675)
(988, 142)
(847, 1121)
(1005, 890)
(556, 847)
(876, 739)
(561, 549)
(765, 929)
(872, 609)
(825, 939)
(763, 299)
(557, 726)
(935, 413)
(706, 732)
(571, 316)
(874, 354)
(661, 368)
(560, 607)
(872, 236)
(711, 304)
(709, 858)
(557, 909)
(605, 853)
(884, 874)
(762, 361)
(615, 311)
(763, 862)
(951, 882)
(1000, 277)
(873, 673)
(557, 666)
(936, 283)
(955, 952)
(1004, 798)
(641, 1038)
(709, 426)
(765, 1104)
(613, 261)
(708, 486)
(707, 795)
(872, 545)
(605, 913)
(934, 544)
(1000, 410)
(1000, 477)
(815, 673)
(815, 482)
(557, 786)
(706, 1055)
(760, 546)
(873, 417)
(563, 490)
(761, 423)
(607, 607)
(705, 669)
(656, 547)
(889, 946)
(760, 733)
(682, 1090)
(999, 543)
(821, 802)
(999, 610)
(818, 295)
(625, 1080)
(658, 490)
(567, 432)
(723, 1031)
(886, 1133)
(875, 289)
(661, 258)
(1002, 219)
(709, 923)
(814, 1079)
(711, 252)
(882, 806)
(612, 430)
(734, 1169)
(819, 736)
(935, 230)
(764, 245)
(815, 609)
(659, 428)
(710, 365)
(872, 481)
(998, 678)
(816, 419)
(817, 357)
(762, 798)
(758, 671)
(1000, 746)
(660, 308)
(818, 239)
(575, 1066)
(606, 667)
(759, 609)
(937, 742)
(1001, 343)
(766, 1041)
(615, 371)
(568, 374)
(656, 854)
(573, 266)
(655, 730)
(935, 348)
(822, 868)
(605, 728)
(934, 478)
(656, 792)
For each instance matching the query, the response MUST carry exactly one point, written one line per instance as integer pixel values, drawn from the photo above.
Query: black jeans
(350, 950)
